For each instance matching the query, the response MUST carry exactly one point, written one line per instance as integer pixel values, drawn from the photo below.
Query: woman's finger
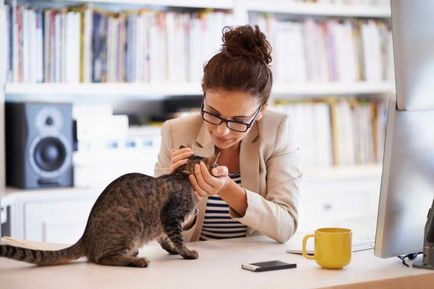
(198, 196)
(176, 165)
(184, 149)
(201, 181)
(180, 151)
(220, 171)
(196, 187)
(180, 156)
(218, 178)
(176, 152)
(208, 178)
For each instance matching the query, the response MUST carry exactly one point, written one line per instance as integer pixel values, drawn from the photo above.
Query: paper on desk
(360, 242)
(295, 244)
(16, 242)
(35, 245)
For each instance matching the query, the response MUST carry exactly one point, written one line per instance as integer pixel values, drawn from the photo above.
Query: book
(336, 131)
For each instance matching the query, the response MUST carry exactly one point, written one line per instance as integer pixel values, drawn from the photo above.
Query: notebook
(360, 242)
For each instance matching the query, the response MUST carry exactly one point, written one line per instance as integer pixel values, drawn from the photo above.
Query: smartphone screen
(268, 266)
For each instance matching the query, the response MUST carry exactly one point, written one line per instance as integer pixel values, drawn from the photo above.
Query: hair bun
(246, 41)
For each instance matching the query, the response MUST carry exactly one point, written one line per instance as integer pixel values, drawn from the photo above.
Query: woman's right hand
(178, 158)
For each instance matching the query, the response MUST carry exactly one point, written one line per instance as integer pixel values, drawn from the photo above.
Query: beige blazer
(269, 169)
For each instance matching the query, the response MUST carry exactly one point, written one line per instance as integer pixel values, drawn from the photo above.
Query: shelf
(344, 172)
(53, 91)
(11, 194)
(317, 9)
(152, 91)
(212, 4)
(332, 88)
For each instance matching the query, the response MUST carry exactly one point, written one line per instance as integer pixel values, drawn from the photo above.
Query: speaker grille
(50, 154)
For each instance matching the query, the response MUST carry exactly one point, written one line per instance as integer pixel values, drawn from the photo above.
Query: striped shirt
(218, 223)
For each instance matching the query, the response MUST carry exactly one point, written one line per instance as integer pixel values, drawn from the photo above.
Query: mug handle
(304, 247)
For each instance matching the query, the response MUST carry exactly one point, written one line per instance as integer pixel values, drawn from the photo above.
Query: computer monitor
(413, 40)
(407, 183)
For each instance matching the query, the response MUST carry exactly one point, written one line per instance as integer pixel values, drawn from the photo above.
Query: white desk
(218, 266)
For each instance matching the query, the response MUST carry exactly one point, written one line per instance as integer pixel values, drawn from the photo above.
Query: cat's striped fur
(132, 210)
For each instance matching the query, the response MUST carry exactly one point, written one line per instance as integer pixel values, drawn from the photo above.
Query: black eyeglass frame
(227, 121)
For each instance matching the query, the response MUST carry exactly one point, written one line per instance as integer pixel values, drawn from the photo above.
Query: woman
(254, 189)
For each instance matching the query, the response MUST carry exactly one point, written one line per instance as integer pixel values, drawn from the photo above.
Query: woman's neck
(230, 158)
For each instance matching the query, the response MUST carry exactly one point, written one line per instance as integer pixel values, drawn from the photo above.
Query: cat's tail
(43, 257)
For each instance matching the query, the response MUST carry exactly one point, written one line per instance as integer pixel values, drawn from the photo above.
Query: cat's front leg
(167, 245)
(174, 232)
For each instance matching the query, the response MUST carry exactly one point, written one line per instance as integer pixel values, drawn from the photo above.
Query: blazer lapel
(249, 160)
(203, 145)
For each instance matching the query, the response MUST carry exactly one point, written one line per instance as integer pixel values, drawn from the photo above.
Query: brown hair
(242, 63)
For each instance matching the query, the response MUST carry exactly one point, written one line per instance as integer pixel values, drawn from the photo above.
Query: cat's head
(188, 168)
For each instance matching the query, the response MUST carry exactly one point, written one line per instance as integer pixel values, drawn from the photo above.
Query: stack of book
(336, 131)
(80, 44)
(329, 50)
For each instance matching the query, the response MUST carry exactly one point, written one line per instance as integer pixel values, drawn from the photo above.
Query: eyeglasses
(238, 126)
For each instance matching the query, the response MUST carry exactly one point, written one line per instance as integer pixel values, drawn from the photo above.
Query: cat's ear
(184, 169)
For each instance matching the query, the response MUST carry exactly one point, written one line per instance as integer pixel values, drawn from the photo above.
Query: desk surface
(218, 266)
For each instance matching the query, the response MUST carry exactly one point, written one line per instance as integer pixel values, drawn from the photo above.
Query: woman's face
(230, 105)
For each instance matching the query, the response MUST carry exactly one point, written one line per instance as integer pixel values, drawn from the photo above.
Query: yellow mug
(332, 247)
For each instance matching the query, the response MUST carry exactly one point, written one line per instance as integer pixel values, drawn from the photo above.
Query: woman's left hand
(207, 184)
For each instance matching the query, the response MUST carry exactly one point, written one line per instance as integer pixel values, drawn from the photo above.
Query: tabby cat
(132, 210)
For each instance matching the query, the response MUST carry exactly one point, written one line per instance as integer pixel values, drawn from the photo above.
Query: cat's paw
(141, 262)
(191, 254)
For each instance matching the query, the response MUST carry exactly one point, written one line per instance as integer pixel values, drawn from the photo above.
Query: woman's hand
(179, 157)
(206, 184)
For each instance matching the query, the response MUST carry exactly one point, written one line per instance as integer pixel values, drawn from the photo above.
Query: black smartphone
(268, 266)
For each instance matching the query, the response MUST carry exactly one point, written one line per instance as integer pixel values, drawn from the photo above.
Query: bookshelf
(324, 179)
(242, 11)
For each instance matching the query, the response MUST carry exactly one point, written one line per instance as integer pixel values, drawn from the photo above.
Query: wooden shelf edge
(158, 90)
